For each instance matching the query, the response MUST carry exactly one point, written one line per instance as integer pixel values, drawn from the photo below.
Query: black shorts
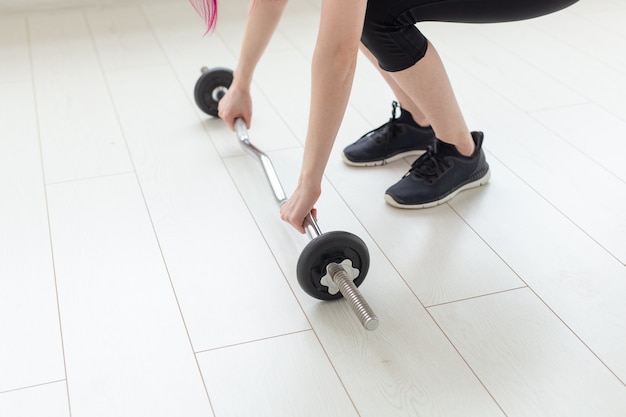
(389, 30)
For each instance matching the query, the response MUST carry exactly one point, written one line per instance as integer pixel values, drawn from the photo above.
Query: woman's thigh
(390, 34)
(462, 11)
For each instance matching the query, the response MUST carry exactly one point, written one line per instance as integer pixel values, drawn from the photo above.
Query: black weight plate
(205, 86)
(330, 247)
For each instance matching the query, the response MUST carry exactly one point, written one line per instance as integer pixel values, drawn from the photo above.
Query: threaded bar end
(350, 292)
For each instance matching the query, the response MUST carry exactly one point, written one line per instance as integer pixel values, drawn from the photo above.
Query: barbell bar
(333, 264)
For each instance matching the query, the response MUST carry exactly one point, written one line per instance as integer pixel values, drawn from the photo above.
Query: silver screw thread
(361, 308)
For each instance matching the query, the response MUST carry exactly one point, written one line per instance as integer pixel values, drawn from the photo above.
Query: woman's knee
(396, 47)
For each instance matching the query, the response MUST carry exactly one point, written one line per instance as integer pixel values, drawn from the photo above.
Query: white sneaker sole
(475, 184)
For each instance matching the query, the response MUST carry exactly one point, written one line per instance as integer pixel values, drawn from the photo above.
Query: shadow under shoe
(439, 175)
(398, 138)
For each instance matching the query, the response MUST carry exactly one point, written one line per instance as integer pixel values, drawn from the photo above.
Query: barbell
(333, 264)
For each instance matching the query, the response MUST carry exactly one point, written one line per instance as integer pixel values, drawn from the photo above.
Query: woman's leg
(411, 65)
(405, 101)
(427, 85)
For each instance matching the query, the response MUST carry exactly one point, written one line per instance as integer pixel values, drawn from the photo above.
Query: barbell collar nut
(351, 293)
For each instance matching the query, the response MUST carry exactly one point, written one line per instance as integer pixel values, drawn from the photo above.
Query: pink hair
(207, 9)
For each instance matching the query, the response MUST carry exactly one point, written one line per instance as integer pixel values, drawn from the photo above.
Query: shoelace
(428, 166)
(384, 133)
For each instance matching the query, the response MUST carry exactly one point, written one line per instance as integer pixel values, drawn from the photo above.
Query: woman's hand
(301, 203)
(236, 103)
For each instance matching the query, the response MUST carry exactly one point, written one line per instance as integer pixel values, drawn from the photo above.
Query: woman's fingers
(297, 208)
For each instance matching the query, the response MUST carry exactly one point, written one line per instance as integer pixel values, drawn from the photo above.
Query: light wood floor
(144, 270)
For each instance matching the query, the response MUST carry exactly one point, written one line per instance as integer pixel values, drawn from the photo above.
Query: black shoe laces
(387, 131)
(429, 166)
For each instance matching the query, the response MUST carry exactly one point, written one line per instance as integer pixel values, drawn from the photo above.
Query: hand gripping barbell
(332, 264)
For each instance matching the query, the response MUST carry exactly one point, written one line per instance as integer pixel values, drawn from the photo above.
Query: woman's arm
(333, 66)
(262, 21)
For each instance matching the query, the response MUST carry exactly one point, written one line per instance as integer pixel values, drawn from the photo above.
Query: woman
(430, 119)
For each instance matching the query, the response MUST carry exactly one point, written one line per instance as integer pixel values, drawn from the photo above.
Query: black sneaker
(398, 138)
(438, 175)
